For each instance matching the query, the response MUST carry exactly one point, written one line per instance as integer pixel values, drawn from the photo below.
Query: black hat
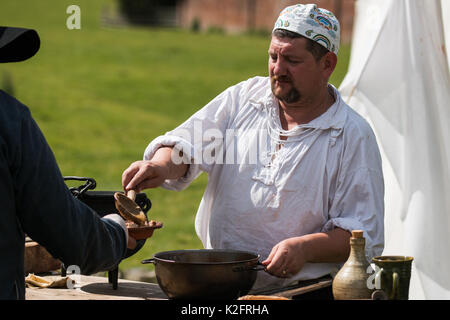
(18, 44)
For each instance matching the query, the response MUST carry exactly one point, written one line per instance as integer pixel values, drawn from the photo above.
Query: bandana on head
(317, 24)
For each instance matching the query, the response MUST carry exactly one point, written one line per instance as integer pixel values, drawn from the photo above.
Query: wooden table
(302, 289)
(98, 288)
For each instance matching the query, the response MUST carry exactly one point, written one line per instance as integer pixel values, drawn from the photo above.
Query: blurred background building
(230, 16)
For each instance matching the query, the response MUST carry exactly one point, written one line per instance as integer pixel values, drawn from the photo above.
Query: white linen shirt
(326, 174)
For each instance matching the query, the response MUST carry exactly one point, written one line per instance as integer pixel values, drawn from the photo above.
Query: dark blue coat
(35, 200)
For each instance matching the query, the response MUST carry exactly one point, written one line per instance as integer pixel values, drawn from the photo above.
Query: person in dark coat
(34, 199)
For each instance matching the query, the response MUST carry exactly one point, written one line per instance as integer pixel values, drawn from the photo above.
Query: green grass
(101, 94)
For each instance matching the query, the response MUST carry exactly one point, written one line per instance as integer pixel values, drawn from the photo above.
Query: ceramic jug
(351, 280)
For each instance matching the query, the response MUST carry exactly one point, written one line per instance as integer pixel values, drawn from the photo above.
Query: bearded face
(291, 96)
(295, 75)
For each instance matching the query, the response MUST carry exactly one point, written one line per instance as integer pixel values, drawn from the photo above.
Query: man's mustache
(281, 78)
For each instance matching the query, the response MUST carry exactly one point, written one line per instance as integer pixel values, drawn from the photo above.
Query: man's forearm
(333, 246)
(163, 156)
(289, 256)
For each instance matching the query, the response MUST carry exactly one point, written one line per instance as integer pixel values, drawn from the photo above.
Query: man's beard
(292, 96)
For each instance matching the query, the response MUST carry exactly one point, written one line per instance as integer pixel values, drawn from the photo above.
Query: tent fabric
(398, 79)
(445, 5)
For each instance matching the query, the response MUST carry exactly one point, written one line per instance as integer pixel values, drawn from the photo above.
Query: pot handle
(78, 191)
(259, 267)
(152, 260)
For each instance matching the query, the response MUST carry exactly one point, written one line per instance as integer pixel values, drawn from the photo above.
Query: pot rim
(255, 258)
(392, 258)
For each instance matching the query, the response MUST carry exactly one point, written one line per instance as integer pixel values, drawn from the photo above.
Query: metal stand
(113, 277)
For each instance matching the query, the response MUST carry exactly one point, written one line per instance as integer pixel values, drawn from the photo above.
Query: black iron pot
(205, 273)
(102, 202)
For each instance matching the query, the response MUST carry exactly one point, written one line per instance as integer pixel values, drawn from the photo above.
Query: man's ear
(329, 62)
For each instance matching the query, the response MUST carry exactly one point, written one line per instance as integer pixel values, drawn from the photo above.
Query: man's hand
(288, 257)
(143, 175)
(151, 173)
(131, 243)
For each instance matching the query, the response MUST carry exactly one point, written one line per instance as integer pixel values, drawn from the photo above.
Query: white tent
(398, 79)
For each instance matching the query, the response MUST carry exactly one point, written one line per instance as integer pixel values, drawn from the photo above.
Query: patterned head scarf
(317, 24)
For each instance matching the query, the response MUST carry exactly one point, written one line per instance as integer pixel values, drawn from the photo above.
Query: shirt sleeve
(200, 138)
(358, 202)
(70, 230)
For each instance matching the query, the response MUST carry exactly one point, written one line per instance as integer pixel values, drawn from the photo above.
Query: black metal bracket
(90, 184)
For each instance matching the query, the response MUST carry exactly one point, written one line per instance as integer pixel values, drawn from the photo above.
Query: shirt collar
(333, 118)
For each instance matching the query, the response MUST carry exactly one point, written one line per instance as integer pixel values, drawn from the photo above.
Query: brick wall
(240, 15)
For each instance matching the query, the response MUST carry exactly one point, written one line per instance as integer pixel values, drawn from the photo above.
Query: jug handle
(394, 284)
(378, 279)
(395, 280)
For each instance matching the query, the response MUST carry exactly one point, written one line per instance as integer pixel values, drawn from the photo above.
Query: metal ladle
(128, 208)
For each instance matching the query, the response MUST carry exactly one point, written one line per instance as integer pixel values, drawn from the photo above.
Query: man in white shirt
(292, 169)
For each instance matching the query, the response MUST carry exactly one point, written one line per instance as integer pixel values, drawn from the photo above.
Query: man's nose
(279, 67)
